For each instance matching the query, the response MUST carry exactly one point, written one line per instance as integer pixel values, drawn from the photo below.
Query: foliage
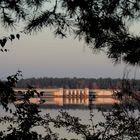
(7, 93)
(5, 39)
(121, 124)
(103, 24)
(23, 117)
(91, 83)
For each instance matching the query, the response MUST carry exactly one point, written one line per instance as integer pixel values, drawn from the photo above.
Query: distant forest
(91, 83)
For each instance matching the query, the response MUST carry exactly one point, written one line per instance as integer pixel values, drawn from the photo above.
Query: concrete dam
(72, 93)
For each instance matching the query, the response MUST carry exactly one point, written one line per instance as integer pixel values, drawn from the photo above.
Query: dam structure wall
(72, 93)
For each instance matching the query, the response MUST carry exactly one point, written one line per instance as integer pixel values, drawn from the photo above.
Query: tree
(24, 116)
(101, 23)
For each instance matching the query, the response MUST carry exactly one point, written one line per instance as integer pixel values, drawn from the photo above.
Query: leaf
(18, 36)
(3, 42)
(10, 110)
(41, 93)
(12, 36)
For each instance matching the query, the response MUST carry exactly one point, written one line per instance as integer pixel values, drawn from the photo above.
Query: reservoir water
(78, 107)
(75, 107)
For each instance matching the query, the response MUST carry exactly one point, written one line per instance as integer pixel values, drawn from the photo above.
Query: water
(75, 107)
(78, 107)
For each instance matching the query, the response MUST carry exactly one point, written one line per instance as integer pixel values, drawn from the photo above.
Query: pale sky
(43, 55)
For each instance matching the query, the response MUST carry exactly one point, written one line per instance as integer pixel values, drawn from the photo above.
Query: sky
(43, 55)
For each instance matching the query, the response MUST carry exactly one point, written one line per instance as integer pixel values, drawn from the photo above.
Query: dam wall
(72, 93)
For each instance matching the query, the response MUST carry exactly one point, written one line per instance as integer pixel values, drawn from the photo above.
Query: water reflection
(77, 103)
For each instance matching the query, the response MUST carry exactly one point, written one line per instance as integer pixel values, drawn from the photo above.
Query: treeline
(102, 83)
